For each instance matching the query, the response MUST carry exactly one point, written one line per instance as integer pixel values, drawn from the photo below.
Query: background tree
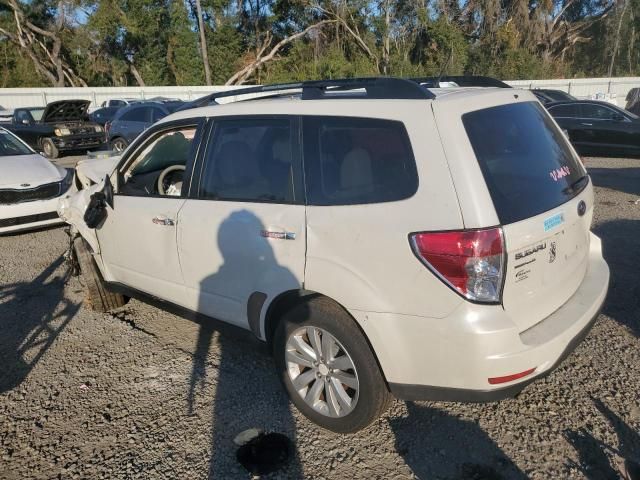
(184, 42)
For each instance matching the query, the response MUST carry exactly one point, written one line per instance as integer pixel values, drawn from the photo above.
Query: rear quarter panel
(360, 255)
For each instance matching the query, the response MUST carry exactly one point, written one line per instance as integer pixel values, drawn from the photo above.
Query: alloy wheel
(322, 371)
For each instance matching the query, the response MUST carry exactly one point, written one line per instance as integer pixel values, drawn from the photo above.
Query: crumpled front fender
(71, 209)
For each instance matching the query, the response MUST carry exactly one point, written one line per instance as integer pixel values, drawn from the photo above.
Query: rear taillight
(469, 261)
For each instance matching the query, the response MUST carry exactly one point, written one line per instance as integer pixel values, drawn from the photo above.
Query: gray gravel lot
(147, 394)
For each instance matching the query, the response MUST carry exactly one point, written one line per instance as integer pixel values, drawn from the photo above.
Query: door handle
(587, 124)
(164, 221)
(278, 235)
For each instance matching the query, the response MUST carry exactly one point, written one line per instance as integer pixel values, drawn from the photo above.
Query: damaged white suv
(385, 238)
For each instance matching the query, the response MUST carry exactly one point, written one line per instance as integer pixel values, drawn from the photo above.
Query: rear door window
(140, 114)
(565, 111)
(351, 161)
(526, 162)
(251, 160)
(598, 112)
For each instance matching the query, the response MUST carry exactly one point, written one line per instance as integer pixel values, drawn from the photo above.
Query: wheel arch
(287, 300)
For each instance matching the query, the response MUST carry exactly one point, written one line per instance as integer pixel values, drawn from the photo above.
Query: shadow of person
(621, 250)
(32, 315)
(449, 447)
(247, 392)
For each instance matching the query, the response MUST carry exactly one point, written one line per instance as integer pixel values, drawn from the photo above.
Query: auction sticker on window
(554, 221)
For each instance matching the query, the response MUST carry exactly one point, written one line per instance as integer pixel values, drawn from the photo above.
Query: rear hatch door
(541, 196)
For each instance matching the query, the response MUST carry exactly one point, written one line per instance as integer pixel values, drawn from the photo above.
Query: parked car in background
(30, 186)
(119, 102)
(103, 115)
(549, 95)
(132, 120)
(60, 126)
(598, 128)
(633, 101)
(279, 231)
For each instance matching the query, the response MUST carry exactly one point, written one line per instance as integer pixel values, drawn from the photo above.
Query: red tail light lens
(469, 261)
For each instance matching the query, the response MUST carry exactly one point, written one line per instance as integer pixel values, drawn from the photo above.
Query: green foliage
(125, 42)
(183, 55)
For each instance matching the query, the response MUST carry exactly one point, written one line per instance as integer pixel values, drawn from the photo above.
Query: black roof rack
(461, 81)
(389, 88)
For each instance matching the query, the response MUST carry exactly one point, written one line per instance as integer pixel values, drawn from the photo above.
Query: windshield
(525, 159)
(10, 145)
(36, 113)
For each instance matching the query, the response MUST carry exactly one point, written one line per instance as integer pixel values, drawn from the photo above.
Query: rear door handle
(587, 124)
(164, 221)
(278, 235)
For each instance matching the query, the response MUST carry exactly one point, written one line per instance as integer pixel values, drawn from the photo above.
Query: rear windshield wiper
(577, 186)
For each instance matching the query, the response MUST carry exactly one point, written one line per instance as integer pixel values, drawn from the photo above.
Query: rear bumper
(425, 392)
(452, 358)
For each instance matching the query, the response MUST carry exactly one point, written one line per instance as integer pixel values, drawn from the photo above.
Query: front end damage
(85, 210)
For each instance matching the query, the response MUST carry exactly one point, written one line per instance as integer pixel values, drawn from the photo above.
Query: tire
(49, 148)
(99, 297)
(371, 396)
(118, 144)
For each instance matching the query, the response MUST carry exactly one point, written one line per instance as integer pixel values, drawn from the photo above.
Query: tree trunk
(386, 47)
(203, 44)
(617, 40)
(136, 74)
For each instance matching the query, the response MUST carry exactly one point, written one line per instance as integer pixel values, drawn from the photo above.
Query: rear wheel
(99, 297)
(118, 144)
(328, 368)
(49, 148)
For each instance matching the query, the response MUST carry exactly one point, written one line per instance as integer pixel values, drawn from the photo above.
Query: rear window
(351, 161)
(527, 163)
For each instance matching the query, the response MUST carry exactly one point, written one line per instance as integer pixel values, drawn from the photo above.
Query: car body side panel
(360, 255)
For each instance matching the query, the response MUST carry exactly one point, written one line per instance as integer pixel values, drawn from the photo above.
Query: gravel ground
(147, 394)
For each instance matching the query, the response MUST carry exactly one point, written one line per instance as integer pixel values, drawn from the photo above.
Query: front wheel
(118, 144)
(328, 368)
(99, 297)
(49, 148)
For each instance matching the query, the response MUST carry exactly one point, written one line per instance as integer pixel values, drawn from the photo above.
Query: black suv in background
(60, 126)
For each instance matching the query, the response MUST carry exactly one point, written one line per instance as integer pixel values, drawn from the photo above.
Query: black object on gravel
(266, 453)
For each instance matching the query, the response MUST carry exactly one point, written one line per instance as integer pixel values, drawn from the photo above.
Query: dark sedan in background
(598, 128)
(547, 95)
(132, 120)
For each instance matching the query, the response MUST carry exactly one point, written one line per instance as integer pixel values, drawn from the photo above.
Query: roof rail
(461, 81)
(390, 88)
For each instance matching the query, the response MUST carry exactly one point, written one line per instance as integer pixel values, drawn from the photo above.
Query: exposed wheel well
(287, 300)
(279, 306)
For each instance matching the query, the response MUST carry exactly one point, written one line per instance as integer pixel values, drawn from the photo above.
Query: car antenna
(444, 67)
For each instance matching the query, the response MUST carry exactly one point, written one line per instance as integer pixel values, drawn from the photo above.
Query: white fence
(10, 98)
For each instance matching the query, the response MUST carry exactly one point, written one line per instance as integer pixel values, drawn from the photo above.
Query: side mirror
(25, 121)
(96, 212)
(108, 191)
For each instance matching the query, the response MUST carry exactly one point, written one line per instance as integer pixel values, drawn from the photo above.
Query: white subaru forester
(385, 238)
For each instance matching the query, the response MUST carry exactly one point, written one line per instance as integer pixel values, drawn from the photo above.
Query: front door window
(159, 168)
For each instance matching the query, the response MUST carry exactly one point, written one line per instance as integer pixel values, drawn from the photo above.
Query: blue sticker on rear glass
(552, 222)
